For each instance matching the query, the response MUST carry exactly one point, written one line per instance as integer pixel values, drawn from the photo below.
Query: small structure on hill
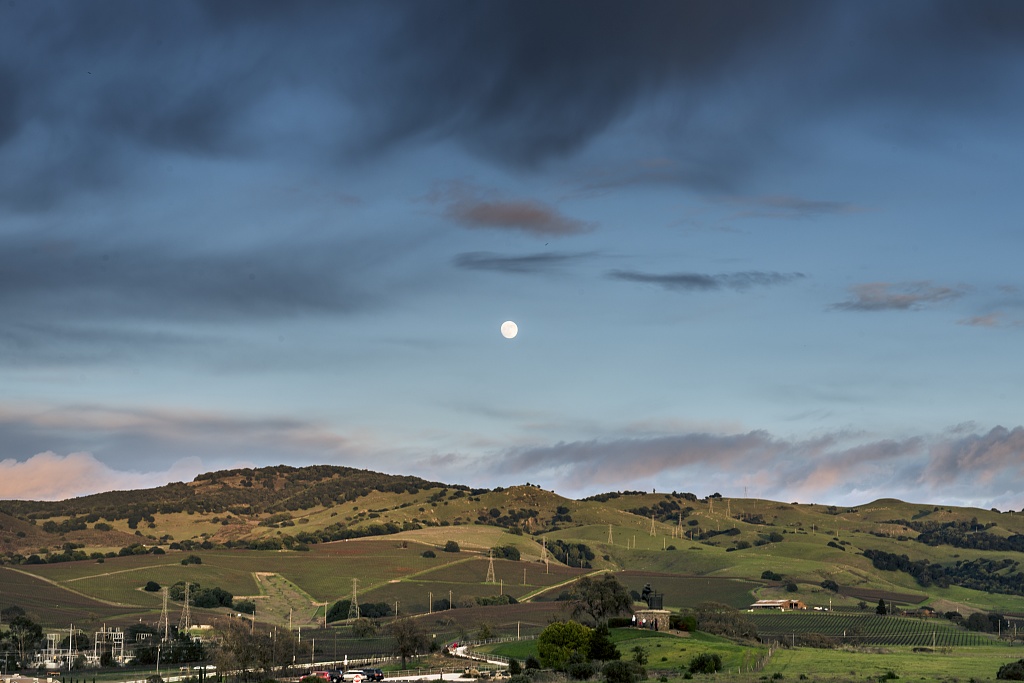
(654, 600)
(781, 605)
(654, 617)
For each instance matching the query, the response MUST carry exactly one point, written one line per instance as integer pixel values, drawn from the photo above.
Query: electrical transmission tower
(353, 605)
(610, 542)
(490, 568)
(165, 621)
(653, 533)
(544, 554)
(185, 623)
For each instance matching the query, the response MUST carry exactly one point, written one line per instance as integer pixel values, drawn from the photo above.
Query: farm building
(781, 605)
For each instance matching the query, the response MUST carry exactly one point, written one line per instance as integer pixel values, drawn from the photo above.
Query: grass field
(669, 655)
(966, 664)
(690, 591)
(664, 651)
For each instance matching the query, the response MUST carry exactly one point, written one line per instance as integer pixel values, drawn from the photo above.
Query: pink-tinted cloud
(48, 476)
(953, 468)
(990, 320)
(896, 296)
(476, 208)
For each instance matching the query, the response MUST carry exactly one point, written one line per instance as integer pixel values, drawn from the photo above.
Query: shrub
(246, 606)
(429, 553)
(151, 587)
(451, 547)
(1014, 671)
(621, 672)
(705, 663)
(580, 671)
(682, 622)
(532, 663)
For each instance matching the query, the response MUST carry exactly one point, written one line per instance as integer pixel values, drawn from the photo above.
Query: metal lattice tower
(165, 621)
(610, 541)
(653, 532)
(544, 553)
(353, 605)
(490, 568)
(185, 623)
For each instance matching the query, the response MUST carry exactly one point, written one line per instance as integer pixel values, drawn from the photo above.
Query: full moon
(509, 329)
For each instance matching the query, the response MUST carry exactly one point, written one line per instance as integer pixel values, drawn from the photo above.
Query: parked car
(325, 675)
(373, 674)
(353, 676)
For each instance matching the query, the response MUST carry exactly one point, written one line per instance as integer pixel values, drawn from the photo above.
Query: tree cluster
(600, 598)
(367, 610)
(993, 576)
(572, 554)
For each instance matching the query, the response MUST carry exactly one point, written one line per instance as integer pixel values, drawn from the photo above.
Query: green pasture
(469, 537)
(690, 591)
(417, 597)
(473, 570)
(664, 651)
(958, 664)
(53, 605)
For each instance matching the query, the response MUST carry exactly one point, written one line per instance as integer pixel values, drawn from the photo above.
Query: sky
(768, 250)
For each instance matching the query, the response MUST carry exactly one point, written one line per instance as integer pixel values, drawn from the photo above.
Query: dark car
(373, 674)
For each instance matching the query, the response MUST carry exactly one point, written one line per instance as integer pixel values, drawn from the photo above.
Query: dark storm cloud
(703, 282)
(519, 82)
(525, 82)
(896, 296)
(523, 264)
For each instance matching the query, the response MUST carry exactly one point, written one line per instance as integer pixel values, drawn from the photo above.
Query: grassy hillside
(266, 534)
